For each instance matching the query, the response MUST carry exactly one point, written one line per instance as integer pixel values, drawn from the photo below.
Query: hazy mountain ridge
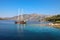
(29, 17)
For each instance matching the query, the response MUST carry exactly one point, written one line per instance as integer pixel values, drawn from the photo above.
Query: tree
(53, 18)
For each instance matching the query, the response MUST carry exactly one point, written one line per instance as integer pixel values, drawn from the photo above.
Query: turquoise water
(11, 31)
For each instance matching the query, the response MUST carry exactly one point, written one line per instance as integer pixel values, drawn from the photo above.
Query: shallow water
(11, 31)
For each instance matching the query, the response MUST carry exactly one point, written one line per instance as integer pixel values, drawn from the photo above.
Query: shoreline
(57, 25)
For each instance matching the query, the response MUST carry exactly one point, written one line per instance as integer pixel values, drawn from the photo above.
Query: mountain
(29, 17)
(3, 18)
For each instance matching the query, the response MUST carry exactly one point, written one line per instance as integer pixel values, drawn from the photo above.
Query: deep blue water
(11, 31)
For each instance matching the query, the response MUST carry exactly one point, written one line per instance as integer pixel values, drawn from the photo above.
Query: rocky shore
(57, 25)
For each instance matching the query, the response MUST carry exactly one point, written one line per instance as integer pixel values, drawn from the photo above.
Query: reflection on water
(20, 29)
(28, 32)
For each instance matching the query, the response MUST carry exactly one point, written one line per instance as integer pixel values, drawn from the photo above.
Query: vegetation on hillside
(55, 18)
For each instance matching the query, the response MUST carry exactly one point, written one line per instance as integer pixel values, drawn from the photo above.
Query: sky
(9, 8)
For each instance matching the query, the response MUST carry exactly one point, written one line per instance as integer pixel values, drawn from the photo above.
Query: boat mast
(22, 19)
(18, 13)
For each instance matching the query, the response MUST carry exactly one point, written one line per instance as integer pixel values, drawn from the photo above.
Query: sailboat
(22, 21)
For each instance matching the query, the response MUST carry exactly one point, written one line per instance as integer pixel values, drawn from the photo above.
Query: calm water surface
(11, 31)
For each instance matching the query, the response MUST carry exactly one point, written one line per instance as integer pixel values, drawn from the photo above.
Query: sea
(30, 31)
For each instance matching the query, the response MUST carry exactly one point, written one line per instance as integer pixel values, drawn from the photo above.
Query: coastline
(57, 25)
